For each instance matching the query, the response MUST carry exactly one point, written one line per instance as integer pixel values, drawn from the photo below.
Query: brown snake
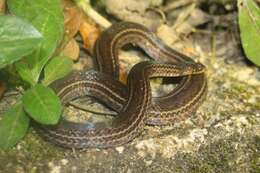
(133, 101)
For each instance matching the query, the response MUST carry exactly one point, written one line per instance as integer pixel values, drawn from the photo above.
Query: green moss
(255, 163)
(225, 155)
(30, 152)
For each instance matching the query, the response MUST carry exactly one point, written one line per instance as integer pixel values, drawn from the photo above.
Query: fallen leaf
(71, 50)
(2, 88)
(89, 33)
(72, 18)
(2, 6)
(122, 75)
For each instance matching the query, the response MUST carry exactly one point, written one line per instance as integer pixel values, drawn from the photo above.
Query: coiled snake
(132, 101)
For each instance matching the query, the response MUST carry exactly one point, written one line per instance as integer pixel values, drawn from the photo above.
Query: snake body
(133, 101)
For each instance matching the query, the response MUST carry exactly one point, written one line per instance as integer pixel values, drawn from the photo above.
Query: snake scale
(132, 101)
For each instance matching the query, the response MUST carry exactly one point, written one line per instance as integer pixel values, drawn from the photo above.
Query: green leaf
(17, 39)
(13, 126)
(25, 72)
(249, 22)
(47, 17)
(57, 68)
(42, 104)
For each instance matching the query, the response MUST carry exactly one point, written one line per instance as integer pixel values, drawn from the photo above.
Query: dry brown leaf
(72, 18)
(2, 88)
(71, 50)
(122, 75)
(2, 6)
(89, 33)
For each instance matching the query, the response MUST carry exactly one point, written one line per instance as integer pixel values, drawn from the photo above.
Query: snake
(132, 101)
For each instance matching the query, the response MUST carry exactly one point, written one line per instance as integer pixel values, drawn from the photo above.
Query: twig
(160, 12)
(86, 7)
(181, 18)
(177, 4)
